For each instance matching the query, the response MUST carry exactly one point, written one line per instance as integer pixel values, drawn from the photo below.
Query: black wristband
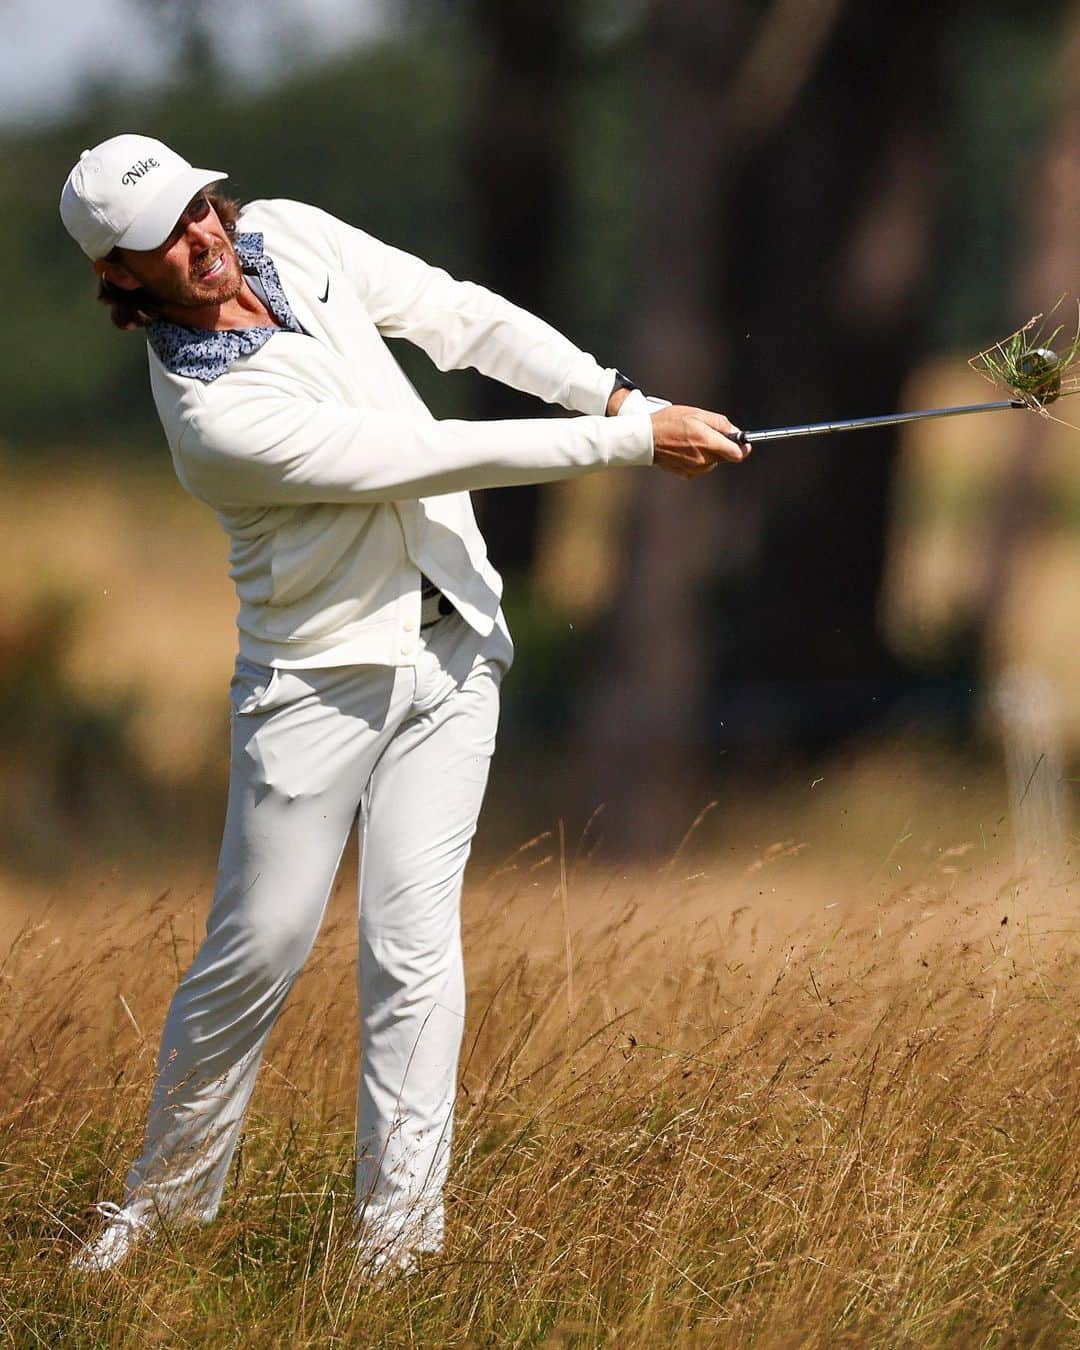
(621, 382)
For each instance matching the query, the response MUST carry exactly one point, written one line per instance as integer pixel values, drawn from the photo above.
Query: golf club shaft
(866, 423)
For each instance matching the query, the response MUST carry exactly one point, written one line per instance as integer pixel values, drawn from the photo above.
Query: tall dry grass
(696, 1109)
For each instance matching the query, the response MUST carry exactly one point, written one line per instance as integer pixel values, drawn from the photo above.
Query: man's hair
(136, 309)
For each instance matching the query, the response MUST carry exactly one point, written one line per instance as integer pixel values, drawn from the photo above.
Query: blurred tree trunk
(642, 711)
(830, 295)
(516, 163)
(794, 194)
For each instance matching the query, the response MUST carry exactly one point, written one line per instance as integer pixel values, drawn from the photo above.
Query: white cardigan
(336, 485)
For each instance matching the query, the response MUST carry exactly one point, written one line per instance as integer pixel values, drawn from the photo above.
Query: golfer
(371, 640)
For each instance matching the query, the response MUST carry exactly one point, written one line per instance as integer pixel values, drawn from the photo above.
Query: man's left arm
(461, 324)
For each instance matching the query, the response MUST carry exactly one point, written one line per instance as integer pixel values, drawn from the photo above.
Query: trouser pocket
(253, 687)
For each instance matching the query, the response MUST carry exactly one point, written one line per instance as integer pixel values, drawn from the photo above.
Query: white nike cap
(131, 191)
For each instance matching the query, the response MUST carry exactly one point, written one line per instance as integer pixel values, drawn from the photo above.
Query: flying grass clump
(1032, 365)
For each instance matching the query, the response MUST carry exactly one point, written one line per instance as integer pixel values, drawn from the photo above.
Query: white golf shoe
(116, 1241)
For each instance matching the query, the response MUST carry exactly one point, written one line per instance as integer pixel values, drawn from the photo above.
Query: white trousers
(408, 749)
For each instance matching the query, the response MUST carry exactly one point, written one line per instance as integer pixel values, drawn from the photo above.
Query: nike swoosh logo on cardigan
(326, 294)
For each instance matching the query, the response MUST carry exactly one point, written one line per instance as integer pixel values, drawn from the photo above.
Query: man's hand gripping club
(689, 442)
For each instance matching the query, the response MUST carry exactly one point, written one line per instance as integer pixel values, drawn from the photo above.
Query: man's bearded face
(195, 268)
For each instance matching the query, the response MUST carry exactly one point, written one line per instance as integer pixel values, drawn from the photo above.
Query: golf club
(1042, 367)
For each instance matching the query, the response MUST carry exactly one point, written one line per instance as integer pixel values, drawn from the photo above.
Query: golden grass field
(762, 1095)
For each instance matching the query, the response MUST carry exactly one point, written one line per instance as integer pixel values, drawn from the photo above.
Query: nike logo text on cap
(137, 170)
(326, 294)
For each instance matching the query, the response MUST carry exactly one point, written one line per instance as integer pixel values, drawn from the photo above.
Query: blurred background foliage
(786, 209)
